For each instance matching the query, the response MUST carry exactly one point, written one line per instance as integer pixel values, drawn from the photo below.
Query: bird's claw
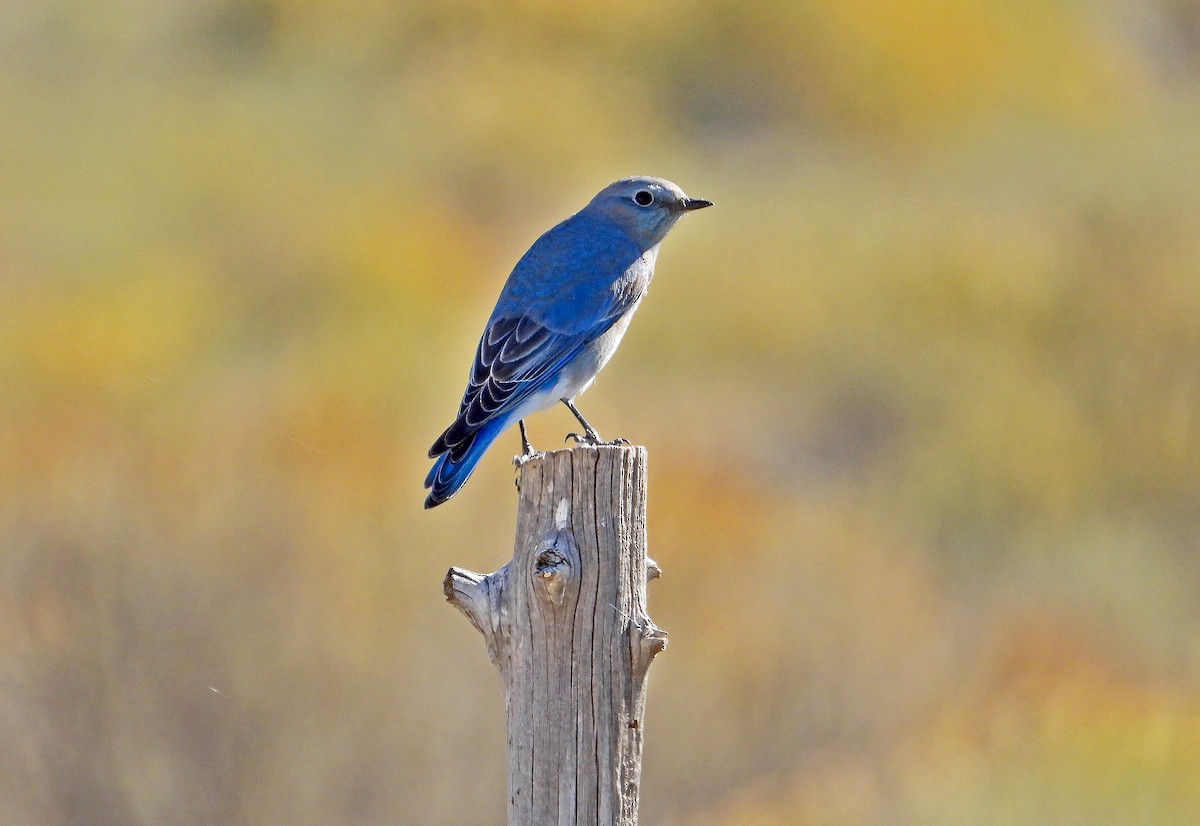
(595, 440)
(521, 458)
(519, 462)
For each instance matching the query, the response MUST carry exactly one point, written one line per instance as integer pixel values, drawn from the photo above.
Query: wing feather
(541, 324)
(516, 359)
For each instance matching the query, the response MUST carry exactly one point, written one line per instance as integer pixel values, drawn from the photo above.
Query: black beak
(695, 203)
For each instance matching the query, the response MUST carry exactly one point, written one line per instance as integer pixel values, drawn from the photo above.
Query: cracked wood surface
(565, 621)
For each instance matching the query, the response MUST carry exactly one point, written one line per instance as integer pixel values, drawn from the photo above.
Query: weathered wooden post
(566, 623)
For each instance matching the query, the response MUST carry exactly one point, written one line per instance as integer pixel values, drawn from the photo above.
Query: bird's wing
(517, 358)
(565, 292)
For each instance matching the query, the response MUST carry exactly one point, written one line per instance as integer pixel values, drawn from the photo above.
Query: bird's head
(644, 207)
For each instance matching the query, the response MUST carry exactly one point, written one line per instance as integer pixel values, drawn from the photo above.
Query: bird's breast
(581, 372)
(634, 282)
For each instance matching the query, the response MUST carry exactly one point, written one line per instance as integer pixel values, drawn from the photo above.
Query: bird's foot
(594, 439)
(519, 462)
(520, 459)
(527, 451)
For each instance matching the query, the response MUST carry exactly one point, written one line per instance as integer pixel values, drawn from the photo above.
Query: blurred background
(921, 395)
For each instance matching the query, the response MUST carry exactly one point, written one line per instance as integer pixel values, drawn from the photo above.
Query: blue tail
(454, 467)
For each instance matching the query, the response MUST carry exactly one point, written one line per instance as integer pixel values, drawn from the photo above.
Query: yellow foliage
(914, 60)
(921, 395)
(123, 332)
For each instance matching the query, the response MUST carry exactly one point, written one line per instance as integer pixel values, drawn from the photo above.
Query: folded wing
(517, 358)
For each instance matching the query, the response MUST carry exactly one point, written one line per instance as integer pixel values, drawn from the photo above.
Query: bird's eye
(643, 197)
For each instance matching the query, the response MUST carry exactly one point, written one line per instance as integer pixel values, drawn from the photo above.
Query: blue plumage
(558, 320)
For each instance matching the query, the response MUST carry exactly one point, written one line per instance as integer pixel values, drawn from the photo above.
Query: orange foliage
(920, 395)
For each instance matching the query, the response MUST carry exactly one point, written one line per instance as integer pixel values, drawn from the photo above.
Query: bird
(558, 320)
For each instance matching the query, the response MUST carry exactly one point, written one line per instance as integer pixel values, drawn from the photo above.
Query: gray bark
(565, 621)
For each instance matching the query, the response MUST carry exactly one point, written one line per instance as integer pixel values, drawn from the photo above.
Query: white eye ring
(643, 197)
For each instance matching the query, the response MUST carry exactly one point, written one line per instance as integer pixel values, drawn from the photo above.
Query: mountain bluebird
(558, 320)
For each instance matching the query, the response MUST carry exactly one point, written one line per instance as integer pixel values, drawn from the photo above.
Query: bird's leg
(527, 451)
(589, 435)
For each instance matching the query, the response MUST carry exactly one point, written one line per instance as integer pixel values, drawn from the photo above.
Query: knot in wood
(552, 569)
